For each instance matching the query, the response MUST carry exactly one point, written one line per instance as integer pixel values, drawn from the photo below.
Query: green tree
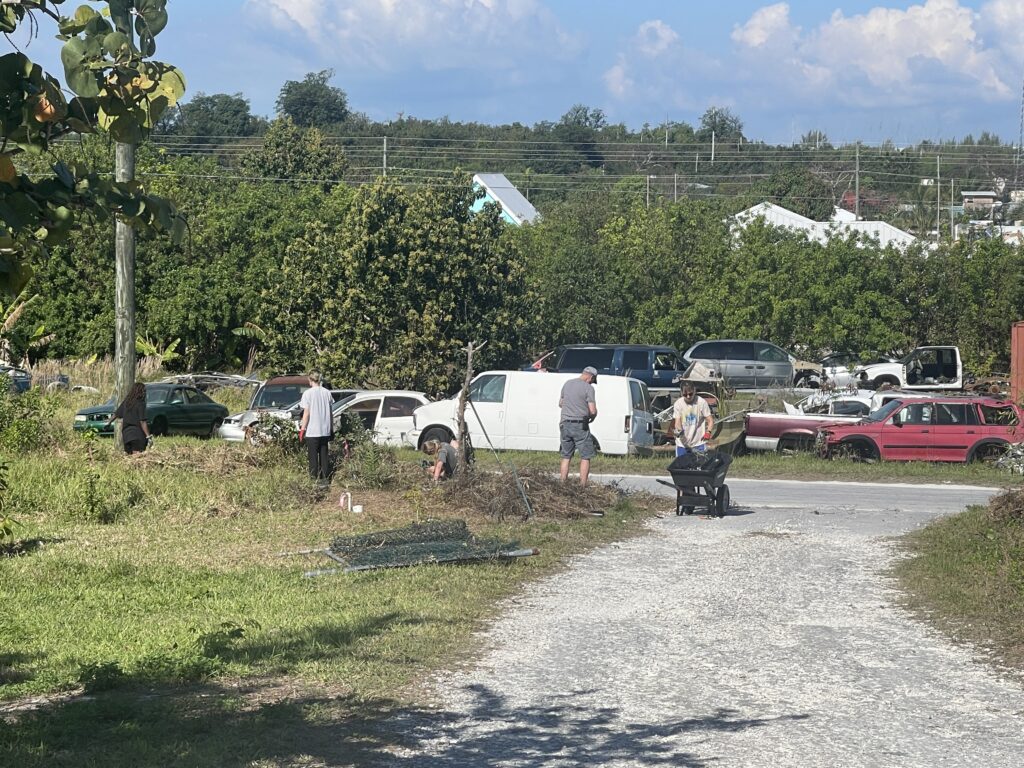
(294, 154)
(799, 190)
(215, 116)
(721, 122)
(312, 101)
(116, 89)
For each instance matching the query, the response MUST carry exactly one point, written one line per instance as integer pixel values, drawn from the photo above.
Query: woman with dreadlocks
(132, 412)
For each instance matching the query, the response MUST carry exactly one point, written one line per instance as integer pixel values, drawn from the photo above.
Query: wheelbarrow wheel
(722, 500)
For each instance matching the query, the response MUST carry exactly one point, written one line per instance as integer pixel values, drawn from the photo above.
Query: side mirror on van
(897, 419)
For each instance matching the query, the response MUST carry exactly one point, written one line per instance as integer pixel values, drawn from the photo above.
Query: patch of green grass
(771, 465)
(155, 585)
(965, 573)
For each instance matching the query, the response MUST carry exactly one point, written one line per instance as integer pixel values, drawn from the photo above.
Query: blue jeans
(682, 450)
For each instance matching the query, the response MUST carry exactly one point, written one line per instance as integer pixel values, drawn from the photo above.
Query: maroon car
(927, 429)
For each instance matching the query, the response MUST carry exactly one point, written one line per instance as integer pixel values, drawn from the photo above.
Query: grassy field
(965, 573)
(153, 586)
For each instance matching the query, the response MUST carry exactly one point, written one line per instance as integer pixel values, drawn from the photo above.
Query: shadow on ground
(231, 727)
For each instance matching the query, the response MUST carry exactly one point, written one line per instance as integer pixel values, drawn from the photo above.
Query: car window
(395, 407)
(177, 397)
(195, 396)
(918, 413)
(956, 413)
(739, 350)
(578, 359)
(885, 411)
(665, 361)
(636, 395)
(366, 412)
(636, 360)
(488, 389)
(279, 395)
(156, 396)
(849, 408)
(710, 350)
(771, 354)
(1000, 415)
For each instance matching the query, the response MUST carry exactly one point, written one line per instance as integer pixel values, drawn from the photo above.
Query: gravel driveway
(769, 638)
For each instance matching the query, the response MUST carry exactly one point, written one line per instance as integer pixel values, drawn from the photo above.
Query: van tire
(436, 433)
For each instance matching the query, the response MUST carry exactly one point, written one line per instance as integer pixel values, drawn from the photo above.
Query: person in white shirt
(316, 427)
(693, 422)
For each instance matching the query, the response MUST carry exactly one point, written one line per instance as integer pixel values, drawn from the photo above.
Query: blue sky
(857, 70)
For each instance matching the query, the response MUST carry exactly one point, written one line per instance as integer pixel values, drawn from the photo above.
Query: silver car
(745, 364)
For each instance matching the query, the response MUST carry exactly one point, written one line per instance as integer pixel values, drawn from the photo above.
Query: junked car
(170, 409)
(278, 398)
(386, 413)
(927, 429)
(18, 379)
(744, 363)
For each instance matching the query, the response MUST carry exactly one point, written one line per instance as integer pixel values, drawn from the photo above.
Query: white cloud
(885, 56)
(768, 25)
(654, 38)
(393, 34)
(650, 65)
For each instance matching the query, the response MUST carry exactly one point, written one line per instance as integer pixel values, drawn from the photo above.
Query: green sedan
(171, 409)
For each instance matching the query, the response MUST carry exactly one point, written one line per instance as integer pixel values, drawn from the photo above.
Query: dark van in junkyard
(655, 365)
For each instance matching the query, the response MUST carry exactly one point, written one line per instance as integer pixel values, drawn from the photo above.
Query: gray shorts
(576, 437)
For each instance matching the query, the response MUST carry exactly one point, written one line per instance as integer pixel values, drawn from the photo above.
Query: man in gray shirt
(316, 427)
(579, 408)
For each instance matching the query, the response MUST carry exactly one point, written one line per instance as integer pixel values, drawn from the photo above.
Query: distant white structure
(843, 223)
(515, 208)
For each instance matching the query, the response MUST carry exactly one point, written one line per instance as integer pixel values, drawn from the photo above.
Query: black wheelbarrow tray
(701, 487)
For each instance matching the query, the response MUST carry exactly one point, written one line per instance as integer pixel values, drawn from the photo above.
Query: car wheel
(159, 426)
(989, 453)
(859, 450)
(440, 434)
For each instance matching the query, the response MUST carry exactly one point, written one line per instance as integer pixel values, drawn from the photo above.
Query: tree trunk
(124, 287)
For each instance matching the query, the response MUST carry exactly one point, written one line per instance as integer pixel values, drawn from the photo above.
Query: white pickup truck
(931, 368)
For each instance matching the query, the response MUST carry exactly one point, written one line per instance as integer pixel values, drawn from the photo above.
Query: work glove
(149, 441)
(302, 435)
(707, 436)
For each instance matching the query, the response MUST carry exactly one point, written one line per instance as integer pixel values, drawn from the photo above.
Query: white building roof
(842, 224)
(502, 191)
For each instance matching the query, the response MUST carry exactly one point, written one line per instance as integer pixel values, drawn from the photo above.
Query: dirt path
(771, 637)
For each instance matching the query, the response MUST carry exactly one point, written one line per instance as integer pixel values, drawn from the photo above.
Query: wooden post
(463, 398)
(124, 289)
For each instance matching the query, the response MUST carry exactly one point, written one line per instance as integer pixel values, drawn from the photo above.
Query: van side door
(485, 414)
(772, 367)
(739, 368)
(640, 422)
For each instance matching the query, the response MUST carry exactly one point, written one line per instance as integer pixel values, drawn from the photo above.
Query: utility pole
(124, 289)
(938, 194)
(648, 190)
(712, 147)
(675, 187)
(952, 225)
(385, 157)
(856, 185)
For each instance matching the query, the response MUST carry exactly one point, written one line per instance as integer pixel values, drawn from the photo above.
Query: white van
(519, 411)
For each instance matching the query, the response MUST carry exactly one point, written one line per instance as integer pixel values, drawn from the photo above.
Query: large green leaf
(120, 14)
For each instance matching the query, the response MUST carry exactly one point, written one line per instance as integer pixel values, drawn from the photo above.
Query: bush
(22, 419)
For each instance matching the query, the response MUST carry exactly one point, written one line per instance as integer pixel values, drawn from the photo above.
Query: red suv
(927, 429)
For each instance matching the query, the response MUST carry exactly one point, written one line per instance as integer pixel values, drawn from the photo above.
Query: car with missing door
(956, 429)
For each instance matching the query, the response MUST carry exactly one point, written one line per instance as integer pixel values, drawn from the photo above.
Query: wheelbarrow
(700, 486)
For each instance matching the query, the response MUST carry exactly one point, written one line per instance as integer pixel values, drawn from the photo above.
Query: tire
(859, 449)
(436, 433)
(213, 429)
(988, 453)
(159, 426)
(722, 501)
